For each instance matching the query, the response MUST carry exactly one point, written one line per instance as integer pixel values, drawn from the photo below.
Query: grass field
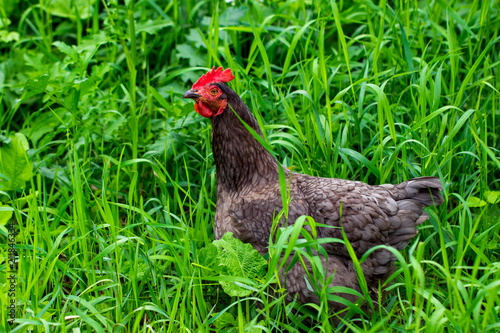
(107, 191)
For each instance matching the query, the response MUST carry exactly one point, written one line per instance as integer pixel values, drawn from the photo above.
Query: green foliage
(7, 36)
(5, 216)
(15, 167)
(228, 323)
(75, 9)
(114, 201)
(493, 197)
(230, 257)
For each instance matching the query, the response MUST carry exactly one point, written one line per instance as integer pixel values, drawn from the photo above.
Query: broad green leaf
(5, 214)
(225, 321)
(8, 36)
(208, 259)
(71, 8)
(4, 22)
(4, 139)
(238, 259)
(195, 39)
(253, 329)
(15, 168)
(112, 126)
(186, 51)
(35, 86)
(152, 27)
(231, 16)
(91, 43)
(493, 197)
(475, 202)
(70, 51)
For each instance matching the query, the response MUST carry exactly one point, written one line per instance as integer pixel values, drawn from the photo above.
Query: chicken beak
(191, 94)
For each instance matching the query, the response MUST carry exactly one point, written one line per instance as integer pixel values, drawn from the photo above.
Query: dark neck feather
(239, 158)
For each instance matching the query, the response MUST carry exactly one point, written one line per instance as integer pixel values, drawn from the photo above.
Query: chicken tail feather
(412, 197)
(425, 190)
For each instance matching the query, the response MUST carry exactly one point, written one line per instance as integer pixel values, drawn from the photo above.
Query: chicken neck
(239, 158)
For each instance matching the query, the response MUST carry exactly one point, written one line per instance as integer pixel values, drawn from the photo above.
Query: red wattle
(203, 110)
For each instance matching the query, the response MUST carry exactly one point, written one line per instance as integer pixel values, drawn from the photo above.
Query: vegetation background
(108, 177)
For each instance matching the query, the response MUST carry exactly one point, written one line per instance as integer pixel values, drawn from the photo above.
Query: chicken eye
(214, 91)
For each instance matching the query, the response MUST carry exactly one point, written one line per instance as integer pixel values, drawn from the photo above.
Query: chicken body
(249, 197)
(371, 216)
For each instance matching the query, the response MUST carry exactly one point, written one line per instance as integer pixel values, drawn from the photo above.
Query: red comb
(215, 75)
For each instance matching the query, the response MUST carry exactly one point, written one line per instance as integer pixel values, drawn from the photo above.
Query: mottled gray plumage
(248, 196)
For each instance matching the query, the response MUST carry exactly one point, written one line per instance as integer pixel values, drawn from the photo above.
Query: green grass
(122, 197)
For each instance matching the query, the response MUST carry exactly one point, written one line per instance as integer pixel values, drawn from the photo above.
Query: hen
(248, 196)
